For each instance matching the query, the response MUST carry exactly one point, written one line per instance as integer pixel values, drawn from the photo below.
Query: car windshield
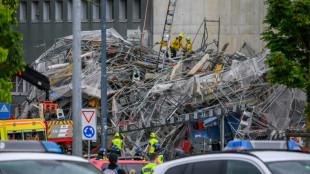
(289, 167)
(47, 166)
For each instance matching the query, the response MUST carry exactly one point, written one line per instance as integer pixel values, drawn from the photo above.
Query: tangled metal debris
(189, 88)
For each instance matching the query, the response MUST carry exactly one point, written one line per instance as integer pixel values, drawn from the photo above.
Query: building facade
(43, 21)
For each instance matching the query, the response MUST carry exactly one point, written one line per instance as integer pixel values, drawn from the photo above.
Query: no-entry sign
(89, 124)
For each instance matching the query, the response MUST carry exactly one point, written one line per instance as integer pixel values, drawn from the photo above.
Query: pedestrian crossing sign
(4, 110)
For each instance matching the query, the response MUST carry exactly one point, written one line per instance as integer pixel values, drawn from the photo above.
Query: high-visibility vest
(152, 142)
(148, 169)
(160, 158)
(188, 47)
(118, 142)
(176, 43)
(104, 158)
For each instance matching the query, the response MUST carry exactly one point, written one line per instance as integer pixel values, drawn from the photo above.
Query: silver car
(255, 162)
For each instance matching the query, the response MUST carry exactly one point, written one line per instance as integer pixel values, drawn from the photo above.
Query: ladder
(167, 27)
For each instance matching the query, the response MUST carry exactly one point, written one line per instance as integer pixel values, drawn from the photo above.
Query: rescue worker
(35, 137)
(28, 137)
(114, 149)
(138, 151)
(101, 154)
(113, 167)
(175, 44)
(188, 45)
(117, 142)
(152, 141)
(163, 44)
(148, 169)
(159, 152)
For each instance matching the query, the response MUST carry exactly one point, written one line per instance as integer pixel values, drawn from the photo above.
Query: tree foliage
(288, 37)
(11, 55)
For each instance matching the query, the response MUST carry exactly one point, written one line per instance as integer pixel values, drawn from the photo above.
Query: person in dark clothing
(101, 154)
(113, 159)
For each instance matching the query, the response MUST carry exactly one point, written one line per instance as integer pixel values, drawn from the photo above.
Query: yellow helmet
(152, 135)
(116, 134)
(188, 38)
(181, 34)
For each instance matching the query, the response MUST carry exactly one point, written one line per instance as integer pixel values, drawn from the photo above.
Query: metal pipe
(218, 35)
(77, 96)
(104, 108)
(222, 132)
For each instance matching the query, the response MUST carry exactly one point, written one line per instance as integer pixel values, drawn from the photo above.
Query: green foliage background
(11, 51)
(288, 38)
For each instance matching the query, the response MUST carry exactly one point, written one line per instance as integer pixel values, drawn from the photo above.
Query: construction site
(194, 102)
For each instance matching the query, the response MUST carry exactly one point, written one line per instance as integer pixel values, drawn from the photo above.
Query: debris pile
(170, 95)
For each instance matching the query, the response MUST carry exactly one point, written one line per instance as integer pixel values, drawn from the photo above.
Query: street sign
(4, 110)
(89, 124)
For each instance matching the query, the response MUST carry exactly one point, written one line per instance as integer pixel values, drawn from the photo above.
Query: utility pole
(77, 96)
(103, 77)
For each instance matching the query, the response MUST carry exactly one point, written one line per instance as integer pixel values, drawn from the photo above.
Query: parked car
(124, 163)
(35, 157)
(254, 162)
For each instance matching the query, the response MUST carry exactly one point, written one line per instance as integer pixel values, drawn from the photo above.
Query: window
(178, 169)
(20, 86)
(70, 7)
(210, 166)
(46, 11)
(110, 10)
(34, 11)
(84, 11)
(23, 12)
(136, 10)
(236, 167)
(58, 11)
(96, 11)
(122, 10)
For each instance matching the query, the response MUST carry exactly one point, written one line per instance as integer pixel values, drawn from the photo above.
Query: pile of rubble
(163, 96)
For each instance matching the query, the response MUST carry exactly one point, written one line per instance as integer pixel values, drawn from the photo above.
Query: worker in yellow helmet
(188, 45)
(175, 44)
(117, 142)
(152, 141)
(163, 44)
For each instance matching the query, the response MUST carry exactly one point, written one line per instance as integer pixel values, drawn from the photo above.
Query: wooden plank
(198, 65)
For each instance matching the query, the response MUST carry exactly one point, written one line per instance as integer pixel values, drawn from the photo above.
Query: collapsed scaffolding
(144, 97)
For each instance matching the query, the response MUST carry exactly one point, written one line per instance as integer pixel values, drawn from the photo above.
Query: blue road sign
(88, 131)
(4, 110)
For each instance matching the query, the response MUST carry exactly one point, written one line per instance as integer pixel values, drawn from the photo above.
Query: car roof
(8, 156)
(271, 156)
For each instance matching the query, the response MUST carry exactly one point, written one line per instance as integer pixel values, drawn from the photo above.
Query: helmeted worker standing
(152, 141)
(148, 169)
(163, 44)
(175, 44)
(101, 154)
(188, 46)
(159, 152)
(117, 142)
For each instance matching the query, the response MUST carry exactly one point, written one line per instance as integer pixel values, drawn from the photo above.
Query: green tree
(11, 51)
(288, 37)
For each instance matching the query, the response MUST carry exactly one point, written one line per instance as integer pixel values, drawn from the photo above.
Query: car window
(209, 167)
(47, 166)
(136, 166)
(241, 167)
(286, 167)
(178, 169)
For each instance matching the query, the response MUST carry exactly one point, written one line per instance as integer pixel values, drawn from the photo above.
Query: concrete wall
(241, 20)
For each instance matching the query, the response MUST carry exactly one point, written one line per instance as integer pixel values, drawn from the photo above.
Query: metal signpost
(4, 110)
(89, 126)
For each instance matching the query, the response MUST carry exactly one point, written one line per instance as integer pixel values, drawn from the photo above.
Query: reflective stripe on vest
(152, 142)
(118, 142)
(147, 169)
(160, 159)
